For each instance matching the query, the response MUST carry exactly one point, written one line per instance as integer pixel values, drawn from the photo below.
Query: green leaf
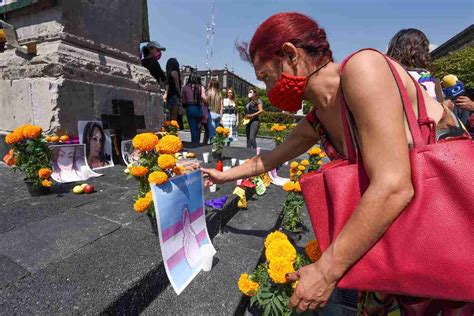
(267, 310)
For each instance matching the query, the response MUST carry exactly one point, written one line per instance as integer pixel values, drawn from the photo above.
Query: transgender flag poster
(179, 208)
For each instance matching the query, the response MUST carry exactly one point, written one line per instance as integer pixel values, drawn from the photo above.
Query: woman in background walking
(253, 110)
(230, 115)
(194, 96)
(214, 101)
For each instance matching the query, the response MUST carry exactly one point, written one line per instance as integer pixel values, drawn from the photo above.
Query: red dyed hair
(292, 27)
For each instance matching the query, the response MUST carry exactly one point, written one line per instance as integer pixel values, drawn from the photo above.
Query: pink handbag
(429, 249)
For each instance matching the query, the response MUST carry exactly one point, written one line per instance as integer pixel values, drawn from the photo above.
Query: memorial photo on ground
(69, 164)
(98, 144)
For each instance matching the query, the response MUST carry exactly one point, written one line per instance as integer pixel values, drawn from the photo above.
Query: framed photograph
(69, 164)
(98, 144)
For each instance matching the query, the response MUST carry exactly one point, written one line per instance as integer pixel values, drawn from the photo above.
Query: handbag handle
(424, 123)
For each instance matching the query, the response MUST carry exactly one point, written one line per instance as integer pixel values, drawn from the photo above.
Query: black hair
(172, 65)
(86, 136)
(195, 81)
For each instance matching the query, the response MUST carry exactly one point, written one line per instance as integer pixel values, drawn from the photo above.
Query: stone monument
(87, 60)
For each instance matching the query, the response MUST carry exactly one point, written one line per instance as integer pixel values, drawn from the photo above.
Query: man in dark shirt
(151, 54)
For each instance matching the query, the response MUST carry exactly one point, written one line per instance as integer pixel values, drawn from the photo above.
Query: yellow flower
(145, 141)
(158, 177)
(278, 268)
(149, 196)
(166, 123)
(44, 173)
(226, 131)
(276, 235)
(289, 186)
(299, 173)
(31, 131)
(141, 205)
(219, 130)
(320, 163)
(174, 124)
(169, 144)
(297, 186)
(13, 138)
(294, 165)
(322, 155)
(304, 162)
(301, 168)
(138, 171)
(280, 249)
(46, 183)
(282, 128)
(247, 286)
(314, 151)
(166, 161)
(312, 250)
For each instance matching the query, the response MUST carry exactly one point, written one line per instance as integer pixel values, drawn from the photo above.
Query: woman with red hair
(292, 56)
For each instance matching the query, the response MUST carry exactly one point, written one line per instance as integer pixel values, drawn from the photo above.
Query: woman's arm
(369, 89)
(299, 141)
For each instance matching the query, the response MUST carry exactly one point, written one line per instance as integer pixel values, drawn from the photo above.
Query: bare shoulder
(366, 62)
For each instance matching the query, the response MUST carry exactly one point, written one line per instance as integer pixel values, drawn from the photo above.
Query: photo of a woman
(65, 163)
(98, 149)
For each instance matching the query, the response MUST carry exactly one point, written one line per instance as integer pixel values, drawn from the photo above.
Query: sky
(180, 25)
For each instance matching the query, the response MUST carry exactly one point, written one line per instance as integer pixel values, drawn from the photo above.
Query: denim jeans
(194, 114)
(212, 124)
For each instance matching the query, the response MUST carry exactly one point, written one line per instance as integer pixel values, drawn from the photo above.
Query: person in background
(214, 101)
(173, 93)
(151, 55)
(410, 47)
(193, 97)
(253, 109)
(230, 115)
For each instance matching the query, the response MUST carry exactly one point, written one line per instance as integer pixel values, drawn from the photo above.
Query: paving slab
(38, 244)
(10, 271)
(91, 279)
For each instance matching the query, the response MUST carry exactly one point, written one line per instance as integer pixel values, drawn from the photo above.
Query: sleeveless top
(229, 107)
(252, 107)
(447, 127)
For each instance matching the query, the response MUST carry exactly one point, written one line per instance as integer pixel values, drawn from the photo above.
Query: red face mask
(287, 94)
(157, 55)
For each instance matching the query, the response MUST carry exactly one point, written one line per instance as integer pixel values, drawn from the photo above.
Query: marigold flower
(289, 186)
(312, 250)
(320, 163)
(246, 285)
(169, 144)
(219, 130)
(276, 235)
(149, 196)
(304, 162)
(166, 123)
(322, 154)
(46, 183)
(174, 124)
(32, 131)
(141, 205)
(20, 128)
(13, 138)
(280, 249)
(158, 177)
(301, 168)
(44, 173)
(145, 141)
(294, 165)
(166, 161)
(299, 173)
(278, 268)
(314, 151)
(297, 187)
(226, 131)
(178, 170)
(138, 171)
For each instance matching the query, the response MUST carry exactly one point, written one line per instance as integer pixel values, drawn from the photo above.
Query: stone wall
(87, 55)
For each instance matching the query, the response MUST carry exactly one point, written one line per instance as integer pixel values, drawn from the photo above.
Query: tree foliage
(459, 63)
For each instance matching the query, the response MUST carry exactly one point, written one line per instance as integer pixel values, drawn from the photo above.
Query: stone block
(10, 271)
(38, 244)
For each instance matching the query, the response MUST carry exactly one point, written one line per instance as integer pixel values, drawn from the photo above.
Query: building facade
(225, 77)
(457, 42)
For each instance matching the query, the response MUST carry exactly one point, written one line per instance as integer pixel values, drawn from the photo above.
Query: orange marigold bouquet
(31, 155)
(171, 127)
(219, 139)
(157, 164)
(267, 285)
(279, 133)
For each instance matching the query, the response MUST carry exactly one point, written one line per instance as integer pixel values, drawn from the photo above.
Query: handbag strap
(414, 125)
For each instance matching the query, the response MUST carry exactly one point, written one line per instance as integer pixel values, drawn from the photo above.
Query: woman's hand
(465, 103)
(314, 287)
(213, 176)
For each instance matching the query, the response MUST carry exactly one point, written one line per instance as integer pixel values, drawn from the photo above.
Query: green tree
(459, 63)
